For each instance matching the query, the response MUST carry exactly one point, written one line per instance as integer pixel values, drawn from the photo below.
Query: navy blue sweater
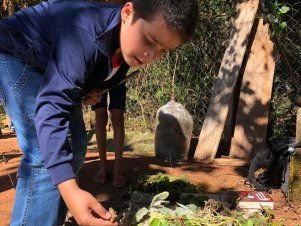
(72, 42)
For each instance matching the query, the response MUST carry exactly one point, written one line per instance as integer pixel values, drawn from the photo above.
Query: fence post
(294, 194)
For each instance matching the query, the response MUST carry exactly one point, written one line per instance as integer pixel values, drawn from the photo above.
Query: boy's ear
(127, 12)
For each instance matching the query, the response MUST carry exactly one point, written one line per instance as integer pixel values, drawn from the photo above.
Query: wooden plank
(294, 193)
(255, 96)
(230, 162)
(216, 115)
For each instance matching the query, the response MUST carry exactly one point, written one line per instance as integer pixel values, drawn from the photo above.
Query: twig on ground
(11, 180)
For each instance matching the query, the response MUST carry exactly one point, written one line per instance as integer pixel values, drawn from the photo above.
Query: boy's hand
(83, 206)
(92, 98)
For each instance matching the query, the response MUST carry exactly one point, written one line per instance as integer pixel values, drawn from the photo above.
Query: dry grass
(135, 142)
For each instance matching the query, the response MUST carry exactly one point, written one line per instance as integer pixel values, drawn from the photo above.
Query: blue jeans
(38, 201)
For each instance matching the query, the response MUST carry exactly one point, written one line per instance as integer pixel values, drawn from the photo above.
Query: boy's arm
(74, 53)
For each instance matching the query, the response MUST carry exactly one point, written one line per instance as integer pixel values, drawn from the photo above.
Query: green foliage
(1, 110)
(174, 185)
(2, 113)
(216, 7)
(185, 75)
(286, 29)
(282, 116)
(10, 6)
(275, 13)
(214, 213)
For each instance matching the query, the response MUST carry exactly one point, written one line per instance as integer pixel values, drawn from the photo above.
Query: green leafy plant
(2, 116)
(214, 213)
(275, 15)
(174, 185)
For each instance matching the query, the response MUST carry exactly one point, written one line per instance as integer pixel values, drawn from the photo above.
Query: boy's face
(144, 41)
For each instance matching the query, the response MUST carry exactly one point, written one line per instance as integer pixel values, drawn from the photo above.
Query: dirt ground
(217, 178)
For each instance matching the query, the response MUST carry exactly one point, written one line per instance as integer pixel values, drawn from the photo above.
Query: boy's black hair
(179, 15)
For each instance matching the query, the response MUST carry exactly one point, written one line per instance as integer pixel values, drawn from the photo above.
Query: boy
(53, 55)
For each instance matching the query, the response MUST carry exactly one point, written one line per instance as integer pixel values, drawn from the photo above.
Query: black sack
(269, 167)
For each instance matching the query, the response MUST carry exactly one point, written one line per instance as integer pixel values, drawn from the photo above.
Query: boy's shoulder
(90, 10)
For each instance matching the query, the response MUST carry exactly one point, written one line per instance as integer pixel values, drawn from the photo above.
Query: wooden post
(216, 115)
(294, 194)
(255, 97)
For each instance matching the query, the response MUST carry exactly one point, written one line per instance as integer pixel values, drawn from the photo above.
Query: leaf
(139, 215)
(283, 25)
(193, 208)
(164, 223)
(159, 203)
(183, 206)
(249, 223)
(284, 9)
(160, 197)
(165, 211)
(179, 211)
(155, 222)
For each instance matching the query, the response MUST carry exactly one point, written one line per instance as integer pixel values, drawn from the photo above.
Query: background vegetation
(187, 75)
